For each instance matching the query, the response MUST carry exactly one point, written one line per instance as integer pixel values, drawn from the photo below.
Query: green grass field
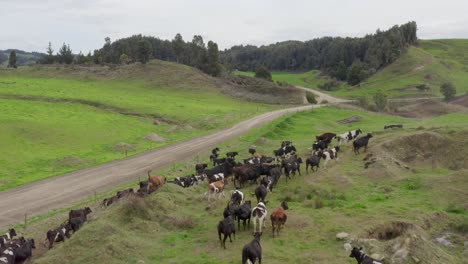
(59, 119)
(178, 225)
(432, 63)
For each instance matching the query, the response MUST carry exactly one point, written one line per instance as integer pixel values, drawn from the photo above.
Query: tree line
(138, 48)
(346, 59)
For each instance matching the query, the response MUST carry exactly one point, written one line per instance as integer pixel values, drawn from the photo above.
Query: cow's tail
(149, 174)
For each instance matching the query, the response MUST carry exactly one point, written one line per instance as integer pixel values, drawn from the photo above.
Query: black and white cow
(200, 168)
(8, 236)
(320, 145)
(348, 136)
(259, 214)
(59, 234)
(7, 256)
(362, 258)
(237, 197)
(331, 154)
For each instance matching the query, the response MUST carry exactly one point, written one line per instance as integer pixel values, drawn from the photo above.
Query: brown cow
(326, 136)
(279, 217)
(214, 188)
(154, 182)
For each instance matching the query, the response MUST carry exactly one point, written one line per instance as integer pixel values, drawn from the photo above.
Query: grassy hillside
(178, 225)
(432, 63)
(59, 119)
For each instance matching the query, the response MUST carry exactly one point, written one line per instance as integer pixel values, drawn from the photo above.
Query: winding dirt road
(61, 191)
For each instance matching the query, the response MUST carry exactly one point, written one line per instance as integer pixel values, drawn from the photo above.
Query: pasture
(431, 63)
(60, 119)
(177, 225)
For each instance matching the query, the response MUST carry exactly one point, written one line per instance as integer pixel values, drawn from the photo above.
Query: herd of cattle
(257, 167)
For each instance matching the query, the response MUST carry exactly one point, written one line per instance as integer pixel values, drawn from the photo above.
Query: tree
(49, 58)
(80, 58)
(65, 54)
(263, 72)
(448, 90)
(380, 100)
(213, 67)
(178, 46)
(144, 51)
(341, 71)
(124, 59)
(12, 59)
(357, 73)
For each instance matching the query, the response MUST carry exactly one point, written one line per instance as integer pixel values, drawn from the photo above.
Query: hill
(430, 63)
(395, 207)
(22, 57)
(57, 119)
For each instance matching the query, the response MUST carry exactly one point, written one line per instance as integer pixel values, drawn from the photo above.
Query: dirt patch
(463, 101)
(155, 138)
(428, 108)
(70, 162)
(389, 231)
(350, 119)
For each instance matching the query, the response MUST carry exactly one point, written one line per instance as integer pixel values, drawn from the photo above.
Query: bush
(324, 101)
(263, 72)
(423, 87)
(363, 101)
(380, 100)
(311, 98)
(332, 85)
(448, 90)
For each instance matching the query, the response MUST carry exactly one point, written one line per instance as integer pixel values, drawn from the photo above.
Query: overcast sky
(30, 24)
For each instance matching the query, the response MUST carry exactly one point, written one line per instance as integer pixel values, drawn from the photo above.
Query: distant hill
(23, 57)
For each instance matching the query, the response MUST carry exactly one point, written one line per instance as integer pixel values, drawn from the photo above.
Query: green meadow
(432, 63)
(177, 225)
(59, 119)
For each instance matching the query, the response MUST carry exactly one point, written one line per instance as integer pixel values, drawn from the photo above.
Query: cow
(313, 161)
(348, 136)
(252, 151)
(7, 256)
(291, 165)
(275, 174)
(227, 227)
(245, 173)
(219, 161)
(58, 235)
(77, 222)
(331, 154)
(267, 181)
(154, 182)
(392, 126)
(244, 213)
(284, 152)
(278, 218)
(215, 188)
(214, 154)
(125, 193)
(326, 136)
(237, 197)
(361, 142)
(320, 145)
(186, 181)
(232, 154)
(25, 251)
(7, 237)
(286, 143)
(252, 251)
(362, 258)
(200, 168)
(108, 201)
(80, 212)
(259, 214)
(261, 193)
(225, 169)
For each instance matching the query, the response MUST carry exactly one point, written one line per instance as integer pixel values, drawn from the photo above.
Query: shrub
(263, 72)
(380, 100)
(423, 87)
(311, 98)
(332, 85)
(448, 90)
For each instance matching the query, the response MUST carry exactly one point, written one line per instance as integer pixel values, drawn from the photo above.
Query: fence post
(95, 196)
(25, 220)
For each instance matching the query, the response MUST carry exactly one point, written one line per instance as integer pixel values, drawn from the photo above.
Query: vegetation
(448, 90)
(380, 100)
(12, 59)
(362, 56)
(181, 224)
(263, 72)
(59, 119)
(311, 98)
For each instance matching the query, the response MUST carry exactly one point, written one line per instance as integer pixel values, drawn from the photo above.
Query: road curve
(61, 191)
(323, 96)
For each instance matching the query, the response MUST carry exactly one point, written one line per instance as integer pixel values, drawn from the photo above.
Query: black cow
(275, 174)
(77, 222)
(361, 257)
(214, 154)
(261, 193)
(252, 151)
(232, 154)
(393, 126)
(361, 142)
(226, 227)
(125, 193)
(25, 251)
(244, 213)
(80, 212)
(108, 201)
(253, 250)
(313, 161)
(320, 145)
(200, 168)
(225, 169)
(267, 181)
(291, 165)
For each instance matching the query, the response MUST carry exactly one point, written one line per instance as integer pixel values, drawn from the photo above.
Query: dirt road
(323, 96)
(59, 192)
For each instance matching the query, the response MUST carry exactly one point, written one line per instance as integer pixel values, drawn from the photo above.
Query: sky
(83, 24)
